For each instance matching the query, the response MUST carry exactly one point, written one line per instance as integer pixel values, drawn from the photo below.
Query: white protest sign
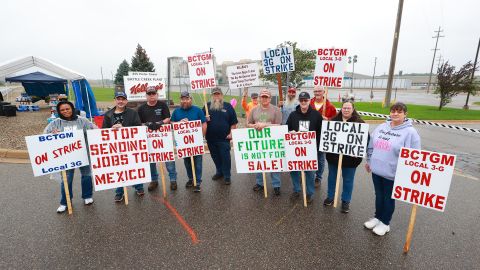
(160, 144)
(188, 138)
(423, 178)
(51, 153)
(301, 151)
(246, 75)
(259, 151)
(201, 71)
(278, 60)
(347, 138)
(137, 83)
(330, 67)
(119, 157)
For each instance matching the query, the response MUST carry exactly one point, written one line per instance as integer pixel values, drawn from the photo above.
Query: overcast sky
(85, 35)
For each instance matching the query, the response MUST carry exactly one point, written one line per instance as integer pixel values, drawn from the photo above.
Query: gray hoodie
(64, 125)
(384, 147)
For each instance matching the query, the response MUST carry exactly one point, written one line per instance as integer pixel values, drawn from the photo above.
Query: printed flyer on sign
(246, 75)
(136, 84)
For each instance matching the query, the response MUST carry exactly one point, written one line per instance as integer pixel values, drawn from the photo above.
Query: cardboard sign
(119, 157)
(301, 151)
(160, 144)
(330, 67)
(423, 178)
(259, 151)
(278, 60)
(243, 75)
(347, 138)
(51, 153)
(188, 138)
(201, 71)
(137, 83)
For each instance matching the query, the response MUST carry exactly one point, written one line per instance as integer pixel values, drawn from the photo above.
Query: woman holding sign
(349, 164)
(382, 157)
(68, 121)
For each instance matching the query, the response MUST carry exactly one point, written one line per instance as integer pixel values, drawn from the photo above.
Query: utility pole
(393, 57)
(101, 72)
(373, 79)
(434, 53)
(439, 61)
(473, 74)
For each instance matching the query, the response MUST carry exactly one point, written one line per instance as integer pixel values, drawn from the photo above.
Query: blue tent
(40, 84)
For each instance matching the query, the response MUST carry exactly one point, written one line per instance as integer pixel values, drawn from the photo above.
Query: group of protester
(299, 114)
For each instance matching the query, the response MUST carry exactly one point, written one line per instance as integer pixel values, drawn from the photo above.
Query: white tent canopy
(17, 65)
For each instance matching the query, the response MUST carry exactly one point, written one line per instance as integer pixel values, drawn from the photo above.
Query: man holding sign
(188, 112)
(304, 119)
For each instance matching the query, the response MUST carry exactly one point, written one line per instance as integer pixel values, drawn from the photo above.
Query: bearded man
(289, 105)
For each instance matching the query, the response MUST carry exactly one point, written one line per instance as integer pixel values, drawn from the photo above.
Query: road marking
(459, 173)
(285, 216)
(180, 219)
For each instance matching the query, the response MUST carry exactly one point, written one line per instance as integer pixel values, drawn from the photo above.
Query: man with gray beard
(220, 123)
(289, 105)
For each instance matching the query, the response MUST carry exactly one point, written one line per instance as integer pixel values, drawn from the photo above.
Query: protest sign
(301, 151)
(245, 75)
(119, 157)
(53, 153)
(259, 151)
(201, 71)
(278, 60)
(136, 84)
(188, 138)
(347, 138)
(329, 67)
(423, 178)
(160, 144)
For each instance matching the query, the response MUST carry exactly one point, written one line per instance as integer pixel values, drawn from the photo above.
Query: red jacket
(330, 111)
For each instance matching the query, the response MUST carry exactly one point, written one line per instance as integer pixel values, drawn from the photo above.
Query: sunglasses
(151, 93)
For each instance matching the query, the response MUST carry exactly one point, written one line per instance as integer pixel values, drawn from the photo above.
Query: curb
(14, 154)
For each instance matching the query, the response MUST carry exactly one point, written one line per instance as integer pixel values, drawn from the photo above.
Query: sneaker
(228, 181)
(173, 185)
(328, 202)
(152, 186)
(118, 197)
(197, 188)
(276, 191)
(318, 182)
(61, 209)
(189, 184)
(88, 201)
(217, 177)
(257, 187)
(140, 192)
(371, 223)
(345, 207)
(309, 198)
(381, 229)
(295, 195)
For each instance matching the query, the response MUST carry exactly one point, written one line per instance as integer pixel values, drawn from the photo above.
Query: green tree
(141, 61)
(304, 65)
(122, 70)
(450, 82)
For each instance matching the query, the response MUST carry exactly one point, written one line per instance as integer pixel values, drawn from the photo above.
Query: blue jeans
(198, 168)
(309, 181)
(348, 175)
(87, 185)
(384, 204)
(275, 179)
(172, 171)
(220, 153)
(321, 164)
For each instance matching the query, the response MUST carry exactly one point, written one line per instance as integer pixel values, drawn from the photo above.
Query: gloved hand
(152, 125)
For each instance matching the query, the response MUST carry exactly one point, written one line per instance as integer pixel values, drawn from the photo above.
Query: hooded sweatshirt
(384, 147)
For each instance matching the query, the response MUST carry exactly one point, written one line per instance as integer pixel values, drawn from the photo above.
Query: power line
(434, 54)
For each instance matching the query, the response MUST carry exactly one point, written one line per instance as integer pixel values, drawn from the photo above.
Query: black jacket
(348, 161)
(130, 118)
(312, 118)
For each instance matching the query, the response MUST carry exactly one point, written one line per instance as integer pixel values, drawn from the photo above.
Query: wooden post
(67, 192)
(337, 184)
(324, 105)
(280, 92)
(205, 101)
(164, 187)
(304, 189)
(411, 224)
(193, 172)
(125, 193)
(264, 185)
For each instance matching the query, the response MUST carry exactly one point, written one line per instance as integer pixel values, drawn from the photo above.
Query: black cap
(184, 94)
(304, 95)
(120, 94)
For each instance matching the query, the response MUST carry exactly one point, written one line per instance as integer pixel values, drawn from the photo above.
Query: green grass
(477, 103)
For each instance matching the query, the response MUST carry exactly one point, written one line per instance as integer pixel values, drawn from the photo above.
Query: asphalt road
(232, 227)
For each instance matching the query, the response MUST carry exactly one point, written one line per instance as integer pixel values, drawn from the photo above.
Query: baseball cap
(304, 95)
(184, 94)
(217, 90)
(265, 92)
(120, 94)
(151, 89)
(292, 89)
(254, 95)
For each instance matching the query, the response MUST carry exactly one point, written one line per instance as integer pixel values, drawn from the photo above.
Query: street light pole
(354, 60)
